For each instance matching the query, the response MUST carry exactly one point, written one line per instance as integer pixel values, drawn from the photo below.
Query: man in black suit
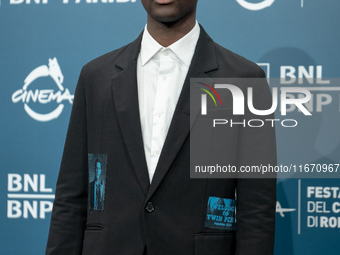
(151, 205)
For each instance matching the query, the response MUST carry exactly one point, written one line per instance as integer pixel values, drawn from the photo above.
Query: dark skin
(170, 20)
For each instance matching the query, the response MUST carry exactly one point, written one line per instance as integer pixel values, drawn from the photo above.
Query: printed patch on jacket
(97, 181)
(220, 213)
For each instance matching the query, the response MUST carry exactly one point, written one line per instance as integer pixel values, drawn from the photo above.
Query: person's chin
(163, 16)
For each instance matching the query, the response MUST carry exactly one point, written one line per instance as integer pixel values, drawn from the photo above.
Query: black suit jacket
(168, 216)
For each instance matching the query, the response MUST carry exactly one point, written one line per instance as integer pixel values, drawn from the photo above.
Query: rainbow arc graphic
(209, 93)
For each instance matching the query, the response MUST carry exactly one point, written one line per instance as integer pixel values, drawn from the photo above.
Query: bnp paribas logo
(262, 4)
(43, 94)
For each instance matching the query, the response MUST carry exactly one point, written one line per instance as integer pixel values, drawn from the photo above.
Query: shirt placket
(159, 124)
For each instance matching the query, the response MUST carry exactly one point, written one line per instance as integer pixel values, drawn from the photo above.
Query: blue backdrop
(44, 44)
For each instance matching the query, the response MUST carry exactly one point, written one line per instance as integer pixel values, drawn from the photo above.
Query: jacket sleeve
(70, 204)
(256, 197)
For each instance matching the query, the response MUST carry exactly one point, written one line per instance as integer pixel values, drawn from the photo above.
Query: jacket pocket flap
(94, 227)
(215, 243)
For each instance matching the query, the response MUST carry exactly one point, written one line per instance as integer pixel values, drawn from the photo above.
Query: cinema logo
(45, 96)
(255, 6)
(28, 196)
(239, 104)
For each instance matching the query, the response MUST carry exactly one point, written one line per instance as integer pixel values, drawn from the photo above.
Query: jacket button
(149, 207)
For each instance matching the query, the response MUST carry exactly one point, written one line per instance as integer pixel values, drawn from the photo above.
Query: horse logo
(53, 70)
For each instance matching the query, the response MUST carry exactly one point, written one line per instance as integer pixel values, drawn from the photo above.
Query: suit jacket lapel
(204, 60)
(125, 94)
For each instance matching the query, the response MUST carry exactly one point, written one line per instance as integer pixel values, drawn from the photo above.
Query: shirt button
(165, 53)
(157, 152)
(159, 114)
(149, 207)
(164, 78)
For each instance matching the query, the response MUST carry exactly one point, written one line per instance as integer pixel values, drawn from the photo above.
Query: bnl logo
(28, 196)
(300, 74)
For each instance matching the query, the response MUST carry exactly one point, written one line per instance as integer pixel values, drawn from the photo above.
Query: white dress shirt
(160, 76)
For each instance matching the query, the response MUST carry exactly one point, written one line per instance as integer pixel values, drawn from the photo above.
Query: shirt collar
(184, 48)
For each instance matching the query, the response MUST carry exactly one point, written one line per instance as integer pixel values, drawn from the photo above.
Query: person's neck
(168, 33)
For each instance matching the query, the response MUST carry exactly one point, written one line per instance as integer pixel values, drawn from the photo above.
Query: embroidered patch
(97, 181)
(220, 213)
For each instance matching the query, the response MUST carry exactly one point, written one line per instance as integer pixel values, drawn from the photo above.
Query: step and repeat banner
(45, 43)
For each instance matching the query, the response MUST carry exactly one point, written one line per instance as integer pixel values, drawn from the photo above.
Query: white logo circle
(44, 96)
(254, 6)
